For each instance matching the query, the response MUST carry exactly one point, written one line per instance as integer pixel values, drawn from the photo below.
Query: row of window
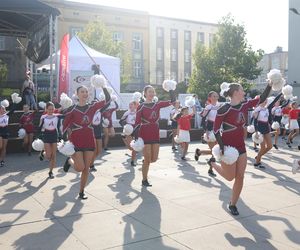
(160, 54)
(160, 76)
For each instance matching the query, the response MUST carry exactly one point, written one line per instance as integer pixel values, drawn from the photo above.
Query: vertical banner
(63, 66)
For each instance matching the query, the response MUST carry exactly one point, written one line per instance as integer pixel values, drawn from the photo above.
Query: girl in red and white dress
(232, 118)
(26, 122)
(147, 127)
(78, 119)
(129, 118)
(293, 123)
(109, 131)
(184, 127)
(209, 115)
(49, 126)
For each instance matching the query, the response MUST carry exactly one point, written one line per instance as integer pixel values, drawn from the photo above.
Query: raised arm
(271, 105)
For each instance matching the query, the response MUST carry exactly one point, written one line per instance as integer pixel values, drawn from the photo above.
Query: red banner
(64, 66)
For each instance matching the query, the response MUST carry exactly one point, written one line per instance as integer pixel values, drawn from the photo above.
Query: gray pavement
(185, 208)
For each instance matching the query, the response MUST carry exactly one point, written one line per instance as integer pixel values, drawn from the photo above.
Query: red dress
(79, 120)
(26, 122)
(147, 117)
(233, 119)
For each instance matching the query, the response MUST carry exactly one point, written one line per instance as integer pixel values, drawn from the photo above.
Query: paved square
(185, 208)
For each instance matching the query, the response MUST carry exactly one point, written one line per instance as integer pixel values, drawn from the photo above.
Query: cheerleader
(4, 120)
(78, 120)
(293, 123)
(98, 128)
(109, 131)
(285, 120)
(26, 123)
(184, 127)
(147, 127)
(173, 114)
(262, 120)
(208, 118)
(129, 118)
(277, 117)
(49, 126)
(232, 117)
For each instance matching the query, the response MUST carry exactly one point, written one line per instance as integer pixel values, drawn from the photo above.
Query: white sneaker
(295, 167)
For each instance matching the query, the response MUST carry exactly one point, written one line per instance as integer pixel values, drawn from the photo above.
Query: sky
(265, 21)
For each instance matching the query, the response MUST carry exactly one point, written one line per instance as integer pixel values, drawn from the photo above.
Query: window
(173, 34)
(137, 41)
(137, 69)
(159, 77)
(186, 78)
(2, 43)
(174, 55)
(75, 30)
(159, 54)
(187, 56)
(117, 36)
(211, 38)
(160, 32)
(174, 75)
(187, 35)
(201, 37)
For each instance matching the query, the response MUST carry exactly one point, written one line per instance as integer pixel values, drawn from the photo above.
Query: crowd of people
(86, 126)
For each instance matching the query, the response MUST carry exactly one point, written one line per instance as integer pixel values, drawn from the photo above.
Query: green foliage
(181, 88)
(97, 36)
(228, 59)
(3, 71)
(43, 96)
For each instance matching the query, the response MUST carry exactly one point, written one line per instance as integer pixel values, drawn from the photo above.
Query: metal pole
(51, 52)
(56, 59)
(36, 84)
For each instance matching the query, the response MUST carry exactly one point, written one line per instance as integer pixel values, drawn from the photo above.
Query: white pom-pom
(155, 99)
(42, 105)
(114, 98)
(257, 138)
(209, 137)
(287, 126)
(287, 90)
(66, 148)
(18, 99)
(288, 97)
(21, 133)
(229, 157)
(14, 95)
(38, 145)
(65, 101)
(276, 79)
(294, 98)
(128, 129)
(137, 145)
(136, 96)
(98, 81)
(5, 103)
(275, 125)
(105, 123)
(189, 101)
(177, 139)
(109, 90)
(169, 85)
(224, 87)
(250, 129)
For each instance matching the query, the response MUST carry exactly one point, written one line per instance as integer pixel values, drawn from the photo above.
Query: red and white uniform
(50, 122)
(79, 120)
(233, 120)
(293, 115)
(147, 116)
(26, 122)
(107, 114)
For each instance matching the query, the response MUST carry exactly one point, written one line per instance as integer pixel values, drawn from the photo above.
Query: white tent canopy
(82, 57)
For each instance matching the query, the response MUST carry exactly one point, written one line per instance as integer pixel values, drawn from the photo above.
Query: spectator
(28, 92)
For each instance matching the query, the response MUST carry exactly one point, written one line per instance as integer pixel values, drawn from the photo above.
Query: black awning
(18, 17)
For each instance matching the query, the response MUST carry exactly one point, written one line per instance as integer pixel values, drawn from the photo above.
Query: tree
(228, 59)
(3, 71)
(97, 36)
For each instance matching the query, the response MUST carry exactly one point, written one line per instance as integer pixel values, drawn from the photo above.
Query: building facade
(276, 60)
(159, 47)
(172, 44)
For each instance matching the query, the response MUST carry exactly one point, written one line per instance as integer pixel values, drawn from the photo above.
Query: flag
(64, 66)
